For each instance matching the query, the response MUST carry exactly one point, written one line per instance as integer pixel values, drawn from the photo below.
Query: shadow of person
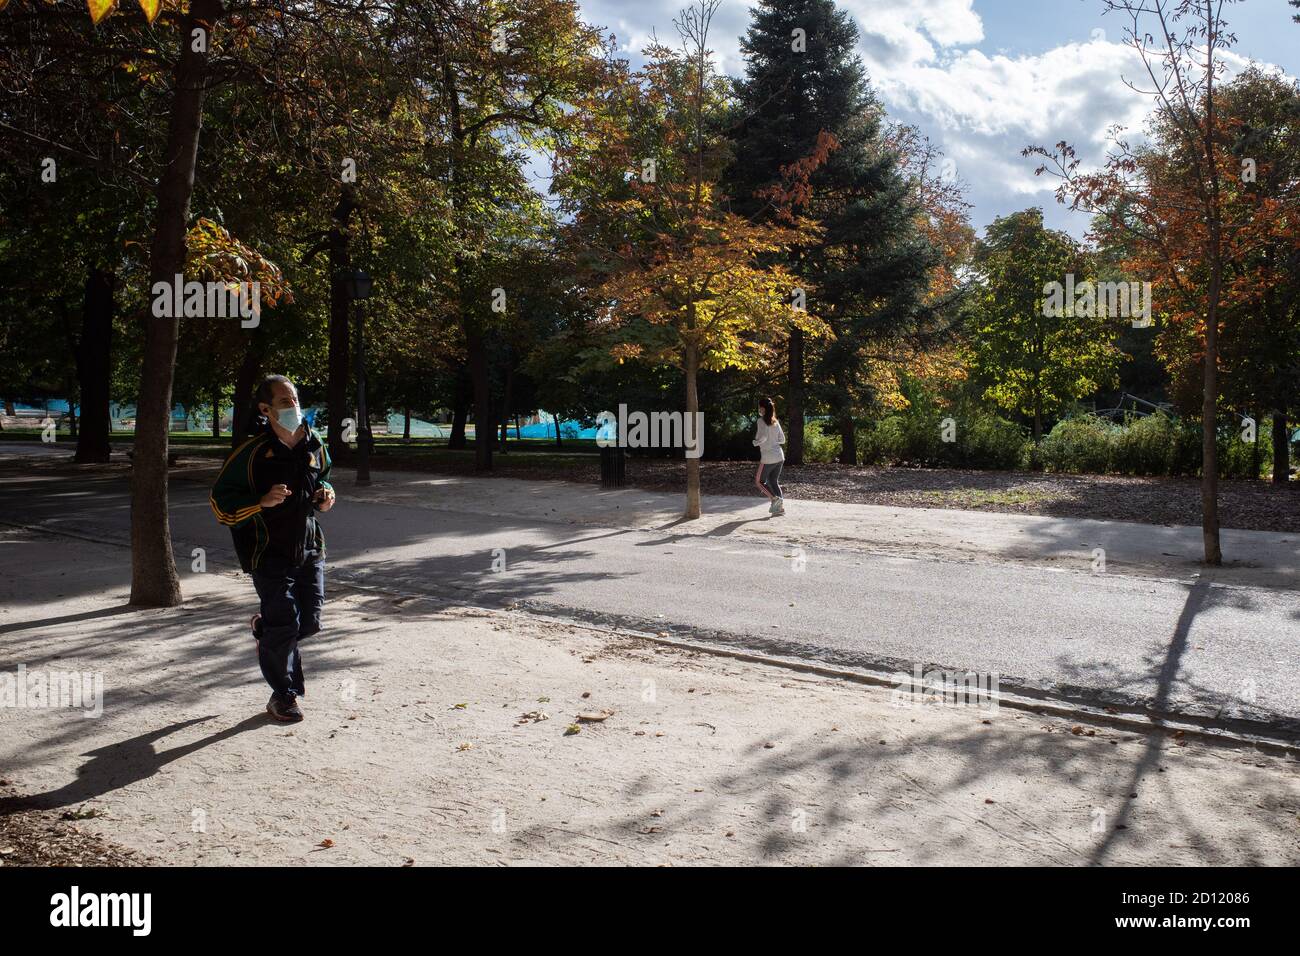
(122, 764)
(67, 618)
(721, 531)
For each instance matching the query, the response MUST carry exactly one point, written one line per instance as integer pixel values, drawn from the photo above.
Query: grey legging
(768, 477)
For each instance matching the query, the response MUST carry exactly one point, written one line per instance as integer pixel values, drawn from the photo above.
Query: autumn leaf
(151, 9)
(99, 9)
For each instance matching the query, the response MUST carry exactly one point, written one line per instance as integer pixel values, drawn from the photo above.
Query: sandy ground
(418, 748)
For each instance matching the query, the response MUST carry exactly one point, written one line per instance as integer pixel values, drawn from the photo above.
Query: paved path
(792, 586)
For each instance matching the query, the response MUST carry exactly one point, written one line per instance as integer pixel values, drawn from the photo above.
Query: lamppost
(358, 285)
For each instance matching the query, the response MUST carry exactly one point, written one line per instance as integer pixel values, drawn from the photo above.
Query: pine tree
(869, 271)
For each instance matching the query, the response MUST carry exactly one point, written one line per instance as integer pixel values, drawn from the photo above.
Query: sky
(985, 78)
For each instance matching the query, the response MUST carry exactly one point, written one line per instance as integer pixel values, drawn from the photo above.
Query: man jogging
(268, 493)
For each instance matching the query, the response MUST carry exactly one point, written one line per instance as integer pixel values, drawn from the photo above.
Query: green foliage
(1241, 459)
(818, 446)
(986, 440)
(1039, 359)
(1156, 445)
(981, 438)
(1077, 446)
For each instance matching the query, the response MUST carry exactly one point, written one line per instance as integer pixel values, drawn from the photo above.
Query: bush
(1239, 459)
(986, 441)
(1185, 450)
(1145, 446)
(909, 438)
(870, 451)
(1077, 446)
(819, 446)
(1154, 445)
(915, 437)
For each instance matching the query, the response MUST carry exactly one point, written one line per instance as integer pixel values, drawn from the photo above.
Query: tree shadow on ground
(839, 785)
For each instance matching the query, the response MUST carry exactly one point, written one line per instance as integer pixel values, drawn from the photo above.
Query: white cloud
(982, 107)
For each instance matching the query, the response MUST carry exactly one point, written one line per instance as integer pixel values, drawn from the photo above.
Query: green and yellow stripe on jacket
(234, 498)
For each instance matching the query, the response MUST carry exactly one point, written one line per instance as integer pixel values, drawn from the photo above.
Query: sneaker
(284, 709)
(778, 507)
(773, 506)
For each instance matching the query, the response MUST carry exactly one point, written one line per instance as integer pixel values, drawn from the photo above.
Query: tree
(495, 79)
(264, 46)
(685, 280)
(1182, 226)
(1042, 355)
(870, 266)
(1261, 342)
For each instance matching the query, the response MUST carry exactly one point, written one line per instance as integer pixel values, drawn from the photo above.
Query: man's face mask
(289, 418)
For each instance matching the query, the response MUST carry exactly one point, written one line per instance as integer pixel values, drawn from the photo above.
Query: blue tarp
(547, 430)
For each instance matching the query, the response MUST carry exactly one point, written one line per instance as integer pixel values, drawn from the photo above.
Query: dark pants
(767, 478)
(292, 599)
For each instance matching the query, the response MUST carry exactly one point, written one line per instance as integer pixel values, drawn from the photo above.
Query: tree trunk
(406, 424)
(94, 368)
(241, 412)
(848, 441)
(9, 408)
(216, 412)
(794, 402)
(1281, 450)
(459, 415)
(154, 581)
(692, 406)
(558, 444)
(339, 362)
(1209, 427)
(484, 419)
(505, 406)
(1255, 450)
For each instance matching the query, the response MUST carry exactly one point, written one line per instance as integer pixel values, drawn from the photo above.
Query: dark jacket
(287, 535)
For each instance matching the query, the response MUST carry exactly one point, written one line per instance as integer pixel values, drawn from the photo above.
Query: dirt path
(417, 747)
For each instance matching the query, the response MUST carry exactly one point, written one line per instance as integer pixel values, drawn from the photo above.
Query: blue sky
(984, 78)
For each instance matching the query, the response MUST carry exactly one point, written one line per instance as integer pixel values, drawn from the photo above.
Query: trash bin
(613, 468)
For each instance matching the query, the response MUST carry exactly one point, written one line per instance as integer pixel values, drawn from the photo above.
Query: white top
(769, 439)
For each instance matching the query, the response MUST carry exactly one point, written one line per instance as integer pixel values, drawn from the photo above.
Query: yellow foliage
(99, 9)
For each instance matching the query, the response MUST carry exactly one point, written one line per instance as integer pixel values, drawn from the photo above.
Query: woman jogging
(769, 438)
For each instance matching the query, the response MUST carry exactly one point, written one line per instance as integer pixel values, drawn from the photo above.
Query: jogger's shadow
(721, 531)
(122, 764)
